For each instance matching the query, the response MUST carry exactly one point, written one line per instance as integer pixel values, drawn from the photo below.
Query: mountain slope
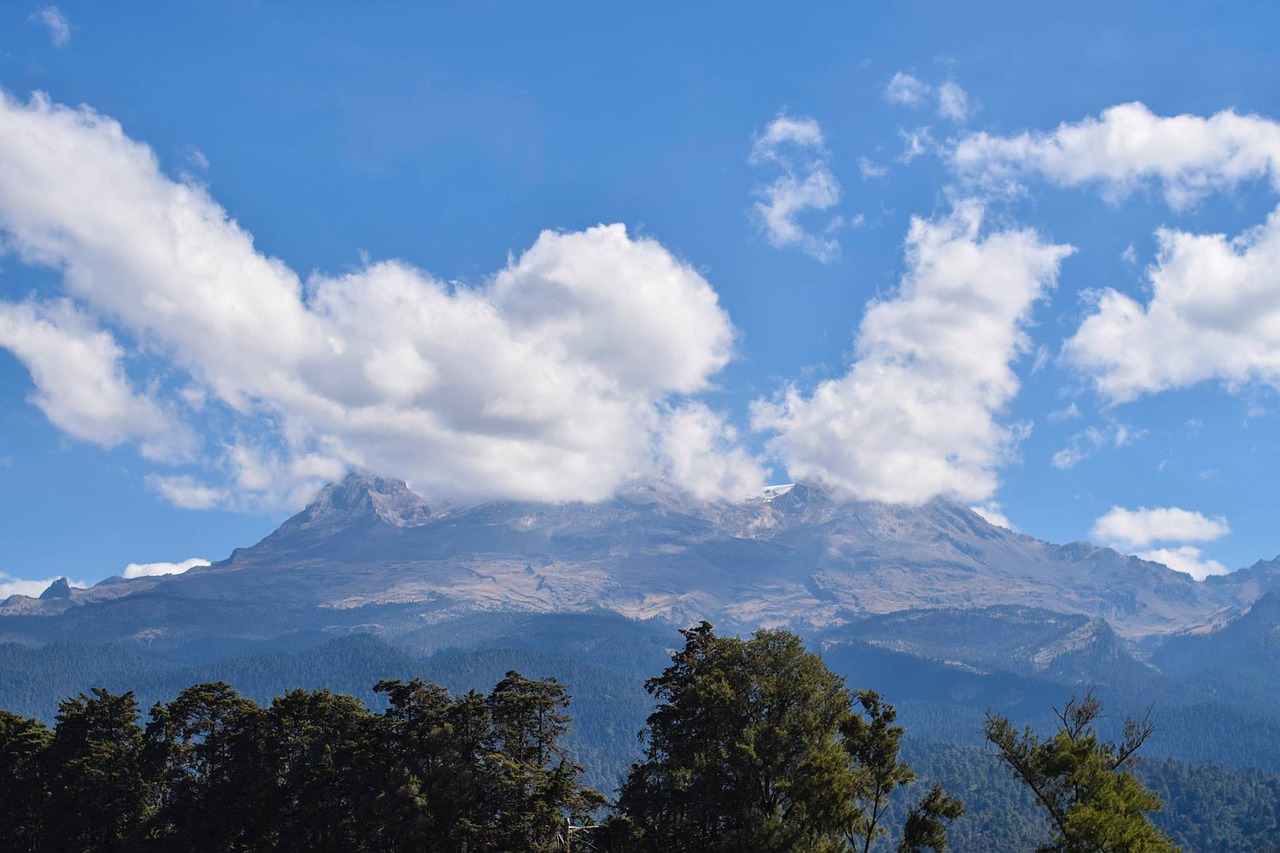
(368, 551)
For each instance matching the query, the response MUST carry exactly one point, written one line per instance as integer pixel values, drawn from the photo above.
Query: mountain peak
(60, 588)
(362, 497)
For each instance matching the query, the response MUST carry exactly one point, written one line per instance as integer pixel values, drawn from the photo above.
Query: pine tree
(98, 795)
(22, 784)
(1094, 803)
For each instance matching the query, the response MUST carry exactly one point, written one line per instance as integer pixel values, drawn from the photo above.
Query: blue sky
(911, 248)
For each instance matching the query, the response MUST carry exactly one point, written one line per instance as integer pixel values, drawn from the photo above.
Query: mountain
(368, 552)
(943, 613)
(1250, 638)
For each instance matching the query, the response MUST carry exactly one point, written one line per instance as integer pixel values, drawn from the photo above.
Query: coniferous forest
(753, 744)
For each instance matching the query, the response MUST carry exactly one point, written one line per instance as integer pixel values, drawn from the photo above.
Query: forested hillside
(161, 740)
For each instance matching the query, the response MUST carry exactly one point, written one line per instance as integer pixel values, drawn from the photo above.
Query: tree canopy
(1093, 801)
(313, 771)
(755, 745)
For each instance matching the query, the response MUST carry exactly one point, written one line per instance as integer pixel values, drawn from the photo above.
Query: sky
(1019, 257)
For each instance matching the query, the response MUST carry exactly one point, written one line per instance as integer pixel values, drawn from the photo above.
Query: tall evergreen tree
(755, 745)
(200, 750)
(22, 781)
(323, 761)
(98, 797)
(536, 784)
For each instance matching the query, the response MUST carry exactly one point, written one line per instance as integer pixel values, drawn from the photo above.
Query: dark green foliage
(322, 754)
(427, 791)
(873, 745)
(1211, 808)
(313, 771)
(533, 779)
(1206, 807)
(22, 784)
(1094, 802)
(97, 795)
(927, 823)
(755, 745)
(201, 750)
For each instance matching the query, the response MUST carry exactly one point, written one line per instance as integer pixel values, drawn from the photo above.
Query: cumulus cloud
(795, 148)
(1214, 306)
(953, 102)
(1127, 147)
(705, 457)
(1213, 314)
(915, 416)
(552, 380)
(147, 570)
(9, 585)
(1185, 558)
(56, 23)
(1167, 528)
(80, 382)
(1139, 528)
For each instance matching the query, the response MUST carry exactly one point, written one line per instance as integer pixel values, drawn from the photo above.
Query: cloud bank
(577, 368)
(562, 377)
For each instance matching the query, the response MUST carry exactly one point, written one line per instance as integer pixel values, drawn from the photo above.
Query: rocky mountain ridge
(799, 556)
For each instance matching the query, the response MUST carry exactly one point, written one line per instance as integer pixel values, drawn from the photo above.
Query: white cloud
(1214, 309)
(80, 383)
(914, 144)
(953, 102)
(1139, 528)
(704, 456)
(784, 130)
(550, 381)
(1069, 413)
(1082, 444)
(9, 585)
(146, 570)
(196, 158)
(1167, 527)
(1070, 456)
(185, 492)
(870, 169)
(993, 513)
(915, 416)
(804, 183)
(57, 24)
(1186, 558)
(1128, 146)
(907, 90)
(1213, 314)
